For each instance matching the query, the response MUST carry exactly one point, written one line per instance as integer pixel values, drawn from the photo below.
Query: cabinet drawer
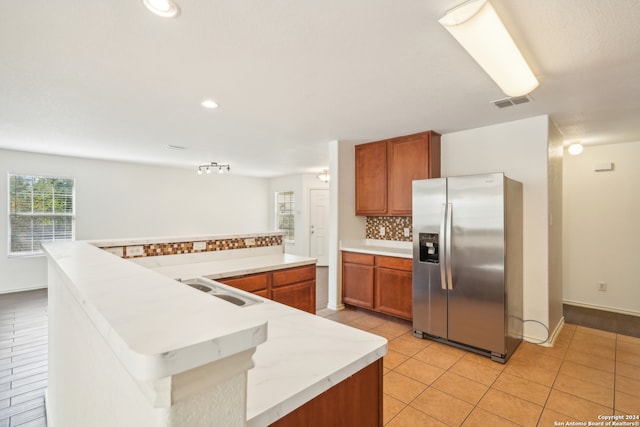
(405, 264)
(250, 283)
(294, 275)
(357, 258)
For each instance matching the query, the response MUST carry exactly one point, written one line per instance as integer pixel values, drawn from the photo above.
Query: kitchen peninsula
(132, 346)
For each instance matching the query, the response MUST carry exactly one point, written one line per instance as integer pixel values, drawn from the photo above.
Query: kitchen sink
(212, 288)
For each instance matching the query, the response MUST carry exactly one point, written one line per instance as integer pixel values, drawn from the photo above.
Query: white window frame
(35, 239)
(290, 232)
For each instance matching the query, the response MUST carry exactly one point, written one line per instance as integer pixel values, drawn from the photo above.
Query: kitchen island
(149, 349)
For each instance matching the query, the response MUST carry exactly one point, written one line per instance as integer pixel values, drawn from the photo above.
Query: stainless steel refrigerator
(467, 262)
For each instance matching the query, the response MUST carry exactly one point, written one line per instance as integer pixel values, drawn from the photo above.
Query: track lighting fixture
(222, 168)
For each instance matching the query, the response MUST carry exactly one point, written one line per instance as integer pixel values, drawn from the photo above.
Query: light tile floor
(588, 373)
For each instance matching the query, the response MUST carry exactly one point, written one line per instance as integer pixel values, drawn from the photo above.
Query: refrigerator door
(477, 295)
(429, 286)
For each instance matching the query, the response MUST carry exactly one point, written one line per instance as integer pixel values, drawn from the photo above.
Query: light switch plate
(199, 246)
(406, 232)
(135, 250)
(249, 242)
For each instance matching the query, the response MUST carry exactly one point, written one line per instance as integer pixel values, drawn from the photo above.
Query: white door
(319, 225)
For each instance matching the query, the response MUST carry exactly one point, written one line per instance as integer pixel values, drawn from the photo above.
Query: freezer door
(429, 291)
(477, 296)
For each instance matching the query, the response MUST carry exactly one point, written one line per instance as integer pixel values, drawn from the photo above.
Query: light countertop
(172, 239)
(158, 326)
(379, 247)
(304, 355)
(216, 269)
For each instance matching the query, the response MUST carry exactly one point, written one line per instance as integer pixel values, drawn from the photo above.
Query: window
(285, 211)
(41, 209)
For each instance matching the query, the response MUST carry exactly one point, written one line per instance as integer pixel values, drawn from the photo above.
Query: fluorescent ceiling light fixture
(575, 148)
(477, 27)
(164, 8)
(209, 103)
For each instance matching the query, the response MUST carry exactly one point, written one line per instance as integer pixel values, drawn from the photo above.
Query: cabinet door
(300, 295)
(393, 292)
(357, 284)
(371, 178)
(249, 283)
(410, 157)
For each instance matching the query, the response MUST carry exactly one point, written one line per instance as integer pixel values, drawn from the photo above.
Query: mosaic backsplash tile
(394, 228)
(175, 248)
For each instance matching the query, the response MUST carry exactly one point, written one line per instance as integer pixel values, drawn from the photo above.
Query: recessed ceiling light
(164, 8)
(575, 148)
(209, 103)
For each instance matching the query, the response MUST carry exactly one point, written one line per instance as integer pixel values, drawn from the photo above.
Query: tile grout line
(546, 401)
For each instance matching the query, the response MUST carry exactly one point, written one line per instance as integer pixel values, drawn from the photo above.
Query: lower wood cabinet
(356, 401)
(377, 282)
(357, 279)
(295, 287)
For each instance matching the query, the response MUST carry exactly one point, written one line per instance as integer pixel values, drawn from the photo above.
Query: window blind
(41, 209)
(285, 214)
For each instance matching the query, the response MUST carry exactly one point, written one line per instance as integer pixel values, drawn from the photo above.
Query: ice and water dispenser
(429, 248)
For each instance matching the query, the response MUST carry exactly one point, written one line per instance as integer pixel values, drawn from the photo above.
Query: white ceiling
(107, 79)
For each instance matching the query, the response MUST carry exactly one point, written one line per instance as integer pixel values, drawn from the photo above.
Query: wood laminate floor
(23, 358)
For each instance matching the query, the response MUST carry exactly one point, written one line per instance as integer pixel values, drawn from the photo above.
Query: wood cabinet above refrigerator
(385, 169)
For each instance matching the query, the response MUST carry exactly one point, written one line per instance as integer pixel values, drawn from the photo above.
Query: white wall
(520, 150)
(343, 224)
(300, 185)
(556, 151)
(115, 200)
(602, 228)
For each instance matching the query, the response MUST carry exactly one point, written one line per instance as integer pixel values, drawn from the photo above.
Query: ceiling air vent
(508, 102)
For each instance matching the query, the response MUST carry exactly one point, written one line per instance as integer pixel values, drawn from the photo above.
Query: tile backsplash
(175, 248)
(394, 228)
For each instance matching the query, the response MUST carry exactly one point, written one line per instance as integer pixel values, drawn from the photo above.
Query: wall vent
(509, 102)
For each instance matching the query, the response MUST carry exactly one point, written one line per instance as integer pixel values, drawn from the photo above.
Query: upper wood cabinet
(385, 170)
(371, 178)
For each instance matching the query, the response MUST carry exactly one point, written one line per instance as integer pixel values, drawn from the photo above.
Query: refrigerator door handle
(443, 231)
(447, 246)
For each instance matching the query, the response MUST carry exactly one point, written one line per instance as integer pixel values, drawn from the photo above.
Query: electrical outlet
(406, 232)
(602, 286)
(135, 250)
(249, 242)
(382, 231)
(199, 246)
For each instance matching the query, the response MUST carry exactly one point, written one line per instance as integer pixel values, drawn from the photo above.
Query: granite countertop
(379, 247)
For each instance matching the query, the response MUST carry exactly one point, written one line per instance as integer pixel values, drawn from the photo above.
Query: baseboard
(335, 307)
(32, 288)
(603, 308)
(556, 331)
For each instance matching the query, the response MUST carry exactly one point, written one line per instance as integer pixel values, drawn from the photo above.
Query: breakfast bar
(151, 350)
